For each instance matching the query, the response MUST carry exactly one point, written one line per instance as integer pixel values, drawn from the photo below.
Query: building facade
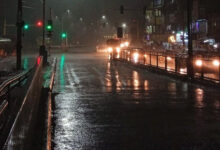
(169, 17)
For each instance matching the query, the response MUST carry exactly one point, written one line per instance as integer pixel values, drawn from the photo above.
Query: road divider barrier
(206, 67)
(21, 132)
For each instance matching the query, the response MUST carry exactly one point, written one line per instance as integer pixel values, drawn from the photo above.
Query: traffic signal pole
(190, 71)
(43, 51)
(43, 40)
(19, 34)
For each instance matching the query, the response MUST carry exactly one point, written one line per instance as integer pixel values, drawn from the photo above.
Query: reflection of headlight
(110, 49)
(118, 50)
(216, 63)
(136, 56)
(199, 63)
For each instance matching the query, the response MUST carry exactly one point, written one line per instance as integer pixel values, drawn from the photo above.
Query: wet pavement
(111, 106)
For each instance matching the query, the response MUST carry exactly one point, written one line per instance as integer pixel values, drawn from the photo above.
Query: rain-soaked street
(113, 106)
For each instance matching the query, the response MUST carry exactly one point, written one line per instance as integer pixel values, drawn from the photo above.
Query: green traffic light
(49, 27)
(26, 26)
(63, 35)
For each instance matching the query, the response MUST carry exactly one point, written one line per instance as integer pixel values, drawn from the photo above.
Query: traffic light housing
(144, 10)
(120, 32)
(122, 9)
(49, 28)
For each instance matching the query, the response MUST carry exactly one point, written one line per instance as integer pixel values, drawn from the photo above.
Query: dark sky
(90, 9)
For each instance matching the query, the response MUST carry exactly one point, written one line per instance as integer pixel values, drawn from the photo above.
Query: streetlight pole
(19, 34)
(190, 71)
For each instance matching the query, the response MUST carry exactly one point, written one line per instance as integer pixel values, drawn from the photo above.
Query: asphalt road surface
(114, 106)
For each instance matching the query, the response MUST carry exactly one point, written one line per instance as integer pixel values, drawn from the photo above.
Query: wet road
(109, 106)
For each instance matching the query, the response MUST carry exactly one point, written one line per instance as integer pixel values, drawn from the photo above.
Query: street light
(103, 17)
(124, 25)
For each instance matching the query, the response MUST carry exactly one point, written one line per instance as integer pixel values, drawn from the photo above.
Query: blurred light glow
(126, 44)
(103, 17)
(169, 58)
(215, 45)
(199, 63)
(216, 63)
(172, 39)
(124, 25)
(183, 70)
(118, 50)
(135, 57)
(110, 50)
(122, 45)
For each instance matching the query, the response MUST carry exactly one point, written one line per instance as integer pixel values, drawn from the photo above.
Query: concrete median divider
(21, 133)
(49, 109)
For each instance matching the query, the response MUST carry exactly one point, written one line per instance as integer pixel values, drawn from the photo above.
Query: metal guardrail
(5, 89)
(206, 67)
(21, 132)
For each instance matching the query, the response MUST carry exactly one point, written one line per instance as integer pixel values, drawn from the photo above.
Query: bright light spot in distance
(199, 63)
(216, 63)
(118, 50)
(215, 45)
(126, 44)
(122, 45)
(169, 58)
(172, 39)
(135, 57)
(183, 70)
(110, 49)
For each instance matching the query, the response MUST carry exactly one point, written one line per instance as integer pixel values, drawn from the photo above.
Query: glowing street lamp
(124, 25)
(103, 17)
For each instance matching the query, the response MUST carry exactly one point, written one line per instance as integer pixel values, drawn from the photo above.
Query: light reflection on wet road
(102, 105)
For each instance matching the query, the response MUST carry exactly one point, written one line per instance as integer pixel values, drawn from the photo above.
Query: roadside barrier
(5, 91)
(21, 132)
(206, 67)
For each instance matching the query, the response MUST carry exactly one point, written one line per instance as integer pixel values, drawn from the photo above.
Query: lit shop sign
(200, 26)
(180, 35)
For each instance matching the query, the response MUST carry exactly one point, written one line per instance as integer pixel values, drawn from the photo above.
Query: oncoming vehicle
(113, 48)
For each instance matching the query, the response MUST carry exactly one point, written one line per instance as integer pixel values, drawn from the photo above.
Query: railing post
(219, 68)
(157, 59)
(202, 69)
(176, 64)
(165, 62)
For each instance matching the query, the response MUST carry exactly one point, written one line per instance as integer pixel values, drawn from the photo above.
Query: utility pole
(190, 71)
(19, 34)
(43, 40)
(43, 51)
